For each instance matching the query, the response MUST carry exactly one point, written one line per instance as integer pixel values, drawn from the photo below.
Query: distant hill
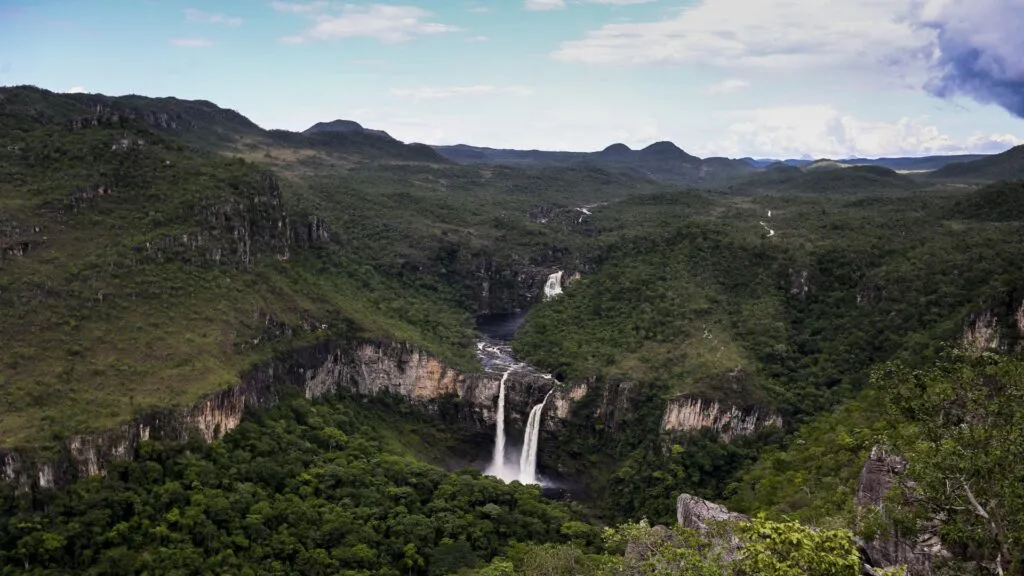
(1006, 166)
(660, 161)
(202, 124)
(783, 179)
(909, 164)
(344, 126)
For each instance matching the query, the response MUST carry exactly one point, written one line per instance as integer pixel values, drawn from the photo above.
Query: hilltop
(1008, 165)
(205, 125)
(663, 161)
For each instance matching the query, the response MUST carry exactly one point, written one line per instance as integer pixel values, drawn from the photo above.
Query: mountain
(663, 161)
(343, 126)
(1008, 165)
(204, 125)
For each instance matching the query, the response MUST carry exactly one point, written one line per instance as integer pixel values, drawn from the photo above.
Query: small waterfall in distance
(528, 459)
(553, 287)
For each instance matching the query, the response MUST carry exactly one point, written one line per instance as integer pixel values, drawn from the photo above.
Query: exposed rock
(686, 414)
(565, 396)
(997, 328)
(880, 473)
(981, 332)
(799, 285)
(367, 368)
(707, 517)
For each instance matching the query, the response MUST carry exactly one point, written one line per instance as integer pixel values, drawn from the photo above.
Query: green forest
(145, 266)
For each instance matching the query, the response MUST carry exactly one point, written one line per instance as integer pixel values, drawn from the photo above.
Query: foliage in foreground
(313, 489)
(963, 436)
(767, 549)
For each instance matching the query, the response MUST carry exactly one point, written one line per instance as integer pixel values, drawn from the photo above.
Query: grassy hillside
(140, 270)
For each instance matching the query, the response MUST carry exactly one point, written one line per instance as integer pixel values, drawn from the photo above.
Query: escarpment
(999, 327)
(688, 414)
(366, 368)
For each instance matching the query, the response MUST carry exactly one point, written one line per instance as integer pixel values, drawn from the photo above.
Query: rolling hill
(206, 126)
(662, 161)
(825, 178)
(1006, 166)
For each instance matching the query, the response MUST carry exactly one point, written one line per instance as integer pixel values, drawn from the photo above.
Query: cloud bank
(977, 51)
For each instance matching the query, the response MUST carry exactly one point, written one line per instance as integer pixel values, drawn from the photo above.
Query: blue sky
(718, 77)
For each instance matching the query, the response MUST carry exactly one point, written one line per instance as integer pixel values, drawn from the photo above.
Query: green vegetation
(153, 250)
(323, 489)
(767, 548)
(705, 304)
(960, 424)
(1008, 165)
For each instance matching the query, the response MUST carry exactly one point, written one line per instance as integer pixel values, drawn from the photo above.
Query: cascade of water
(553, 287)
(528, 458)
(498, 467)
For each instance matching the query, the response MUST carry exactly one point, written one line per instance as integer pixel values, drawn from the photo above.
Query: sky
(761, 78)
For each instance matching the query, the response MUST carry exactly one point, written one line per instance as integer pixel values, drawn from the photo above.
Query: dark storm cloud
(978, 50)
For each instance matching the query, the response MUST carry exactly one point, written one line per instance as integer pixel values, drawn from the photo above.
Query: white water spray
(498, 467)
(553, 287)
(528, 459)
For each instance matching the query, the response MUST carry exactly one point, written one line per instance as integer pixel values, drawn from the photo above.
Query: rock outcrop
(365, 368)
(687, 414)
(711, 519)
(919, 552)
(998, 327)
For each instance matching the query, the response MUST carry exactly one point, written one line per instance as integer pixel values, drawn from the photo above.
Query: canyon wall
(689, 414)
(366, 368)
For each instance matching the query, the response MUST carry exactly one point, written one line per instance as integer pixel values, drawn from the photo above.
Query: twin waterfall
(526, 472)
(495, 354)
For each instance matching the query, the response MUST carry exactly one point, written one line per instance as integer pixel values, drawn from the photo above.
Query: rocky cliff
(687, 414)
(882, 472)
(366, 368)
(997, 328)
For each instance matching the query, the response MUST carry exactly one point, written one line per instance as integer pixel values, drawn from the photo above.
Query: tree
(963, 435)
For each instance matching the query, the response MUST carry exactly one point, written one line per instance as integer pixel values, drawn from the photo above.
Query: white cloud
(727, 87)
(299, 7)
(541, 5)
(477, 39)
(823, 131)
(435, 93)
(764, 34)
(191, 42)
(75, 90)
(193, 15)
(385, 22)
(479, 10)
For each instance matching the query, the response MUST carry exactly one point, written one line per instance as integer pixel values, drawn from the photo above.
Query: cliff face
(366, 368)
(691, 414)
(881, 472)
(997, 328)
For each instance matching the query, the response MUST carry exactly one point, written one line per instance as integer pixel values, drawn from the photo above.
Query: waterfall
(498, 467)
(528, 458)
(553, 287)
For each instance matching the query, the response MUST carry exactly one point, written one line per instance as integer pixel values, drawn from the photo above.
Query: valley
(230, 348)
